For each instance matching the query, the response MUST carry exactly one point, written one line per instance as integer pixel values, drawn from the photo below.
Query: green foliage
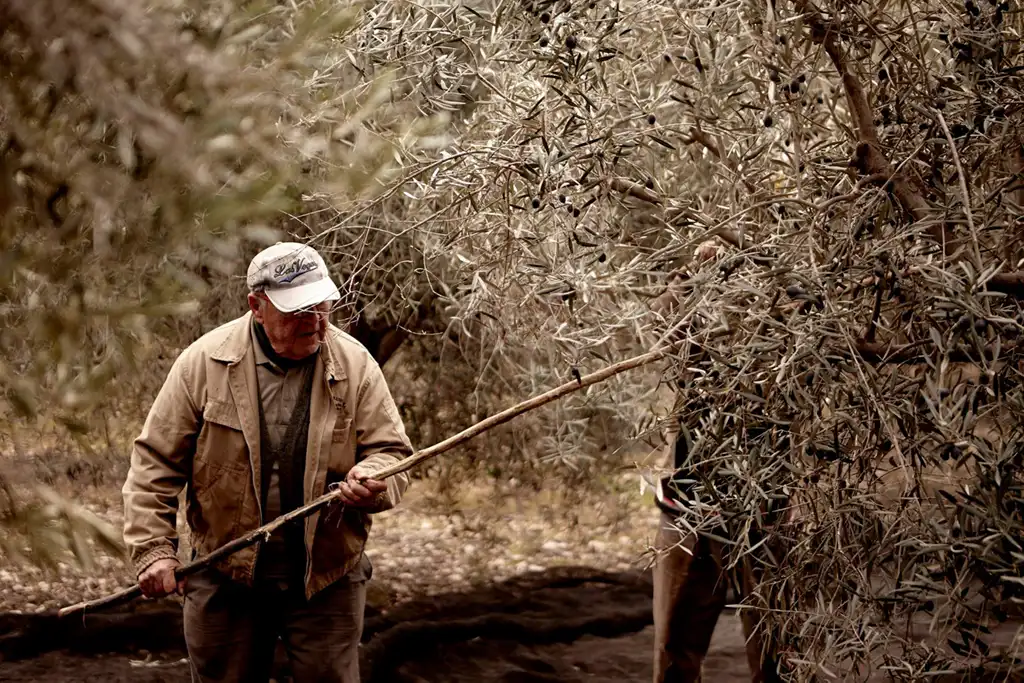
(850, 174)
(143, 151)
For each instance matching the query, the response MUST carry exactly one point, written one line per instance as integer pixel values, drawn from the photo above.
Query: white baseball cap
(292, 275)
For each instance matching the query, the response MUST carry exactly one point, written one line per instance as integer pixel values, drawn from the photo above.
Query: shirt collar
(258, 352)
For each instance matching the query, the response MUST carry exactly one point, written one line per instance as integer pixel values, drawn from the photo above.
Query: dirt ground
(485, 590)
(590, 659)
(571, 625)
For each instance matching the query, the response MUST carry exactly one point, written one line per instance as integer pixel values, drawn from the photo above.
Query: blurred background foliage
(512, 191)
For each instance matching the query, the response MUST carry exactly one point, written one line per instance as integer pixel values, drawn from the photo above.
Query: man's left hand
(358, 491)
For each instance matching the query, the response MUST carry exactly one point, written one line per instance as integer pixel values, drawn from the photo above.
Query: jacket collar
(239, 341)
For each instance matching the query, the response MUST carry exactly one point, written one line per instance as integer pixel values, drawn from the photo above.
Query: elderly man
(258, 417)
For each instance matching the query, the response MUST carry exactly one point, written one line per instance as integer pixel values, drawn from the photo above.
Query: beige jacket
(203, 432)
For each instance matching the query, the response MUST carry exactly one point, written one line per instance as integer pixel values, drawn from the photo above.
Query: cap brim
(294, 299)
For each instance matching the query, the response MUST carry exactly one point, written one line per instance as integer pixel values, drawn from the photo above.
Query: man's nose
(314, 317)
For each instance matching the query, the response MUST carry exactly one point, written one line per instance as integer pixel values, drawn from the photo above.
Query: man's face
(293, 335)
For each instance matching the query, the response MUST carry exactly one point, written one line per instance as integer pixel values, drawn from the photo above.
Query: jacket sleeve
(381, 440)
(161, 462)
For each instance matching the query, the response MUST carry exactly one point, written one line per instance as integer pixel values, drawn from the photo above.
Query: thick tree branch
(1008, 283)
(383, 340)
(869, 158)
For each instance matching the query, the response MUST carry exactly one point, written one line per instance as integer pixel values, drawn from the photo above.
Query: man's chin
(305, 347)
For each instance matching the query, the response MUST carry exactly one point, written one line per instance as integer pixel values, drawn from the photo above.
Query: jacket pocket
(221, 442)
(343, 449)
(220, 474)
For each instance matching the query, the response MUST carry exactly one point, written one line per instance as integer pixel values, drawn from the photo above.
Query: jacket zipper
(259, 509)
(308, 576)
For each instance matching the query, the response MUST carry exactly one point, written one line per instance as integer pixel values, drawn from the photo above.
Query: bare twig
(264, 532)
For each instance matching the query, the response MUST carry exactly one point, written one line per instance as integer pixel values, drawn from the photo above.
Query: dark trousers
(690, 592)
(231, 630)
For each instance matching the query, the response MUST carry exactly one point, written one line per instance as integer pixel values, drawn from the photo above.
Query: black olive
(959, 130)
(575, 213)
(561, 198)
(940, 103)
(543, 42)
(794, 87)
(570, 42)
(668, 59)
(602, 258)
(651, 119)
(649, 184)
(883, 75)
(768, 122)
(535, 203)
(801, 78)
(774, 76)
(545, 17)
(821, 100)
(826, 454)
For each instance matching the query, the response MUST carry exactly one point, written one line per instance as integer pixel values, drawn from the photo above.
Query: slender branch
(264, 532)
(917, 352)
(698, 135)
(876, 310)
(633, 189)
(252, 538)
(963, 188)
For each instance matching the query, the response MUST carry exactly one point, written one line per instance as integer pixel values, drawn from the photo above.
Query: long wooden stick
(263, 532)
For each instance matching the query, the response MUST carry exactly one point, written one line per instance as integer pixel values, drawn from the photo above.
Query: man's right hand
(158, 579)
